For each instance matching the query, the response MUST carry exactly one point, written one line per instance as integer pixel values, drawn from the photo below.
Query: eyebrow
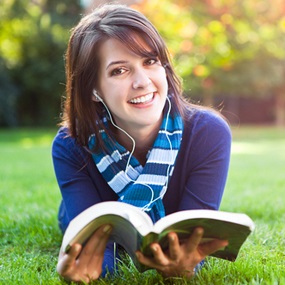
(116, 62)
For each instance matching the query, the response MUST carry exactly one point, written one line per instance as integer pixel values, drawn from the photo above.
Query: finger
(158, 261)
(212, 246)
(67, 266)
(99, 250)
(97, 241)
(193, 242)
(143, 259)
(174, 246)
(160, 258)
(147, 261)
(67, 261)
(92, 254)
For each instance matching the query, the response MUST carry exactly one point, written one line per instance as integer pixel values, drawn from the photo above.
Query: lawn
(30, 239)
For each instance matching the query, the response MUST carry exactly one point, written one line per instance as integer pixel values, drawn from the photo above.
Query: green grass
(30, 239)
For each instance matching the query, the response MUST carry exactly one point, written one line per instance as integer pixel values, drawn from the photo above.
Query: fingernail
(172, 237)
(154, 248)
(199, 231)
(67, 249)
(107, 229)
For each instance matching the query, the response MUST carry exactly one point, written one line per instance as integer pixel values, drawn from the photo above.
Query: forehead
(113, 49)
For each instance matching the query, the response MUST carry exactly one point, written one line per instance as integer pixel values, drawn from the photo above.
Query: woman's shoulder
(63, 138)
(66, 145)
(206, 120)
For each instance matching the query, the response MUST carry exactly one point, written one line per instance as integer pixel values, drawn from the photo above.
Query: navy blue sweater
(197, 182)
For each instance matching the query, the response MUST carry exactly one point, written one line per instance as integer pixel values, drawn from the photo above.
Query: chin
(153, 120)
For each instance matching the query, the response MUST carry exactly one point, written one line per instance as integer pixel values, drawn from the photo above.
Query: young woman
(128, 135)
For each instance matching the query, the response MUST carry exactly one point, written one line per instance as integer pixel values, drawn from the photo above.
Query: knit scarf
(142, 186)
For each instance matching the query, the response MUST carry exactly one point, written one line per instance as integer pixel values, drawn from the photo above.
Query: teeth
(142, 99)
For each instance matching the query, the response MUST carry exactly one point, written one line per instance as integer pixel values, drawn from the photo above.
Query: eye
(151, 61)
(118, 71)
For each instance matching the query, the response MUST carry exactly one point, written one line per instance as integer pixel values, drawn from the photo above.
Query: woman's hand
(85, 263)
(181, 259)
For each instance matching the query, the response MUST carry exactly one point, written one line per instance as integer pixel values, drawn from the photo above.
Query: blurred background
(229, 53)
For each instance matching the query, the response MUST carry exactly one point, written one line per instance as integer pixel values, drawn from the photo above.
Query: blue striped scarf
(140, 186)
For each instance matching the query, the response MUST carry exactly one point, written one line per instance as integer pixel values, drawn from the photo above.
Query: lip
(143, 99)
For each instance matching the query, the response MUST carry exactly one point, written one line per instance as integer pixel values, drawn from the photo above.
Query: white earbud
(97, 97)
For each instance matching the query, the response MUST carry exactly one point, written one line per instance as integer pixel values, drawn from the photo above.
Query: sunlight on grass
(28, 142)
(247, 147)
(258, 147)
(30, 238)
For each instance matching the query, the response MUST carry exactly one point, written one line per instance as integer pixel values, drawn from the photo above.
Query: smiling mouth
(143, 99)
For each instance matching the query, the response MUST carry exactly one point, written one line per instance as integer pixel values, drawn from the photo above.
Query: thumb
(213, 246)
(74, 250)
(67, 260)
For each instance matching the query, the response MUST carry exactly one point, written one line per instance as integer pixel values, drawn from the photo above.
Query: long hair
(80, 114)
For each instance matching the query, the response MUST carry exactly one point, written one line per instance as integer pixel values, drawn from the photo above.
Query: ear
(165, 65)
(95, 96)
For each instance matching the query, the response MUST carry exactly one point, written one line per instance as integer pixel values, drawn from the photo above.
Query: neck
(143, 137)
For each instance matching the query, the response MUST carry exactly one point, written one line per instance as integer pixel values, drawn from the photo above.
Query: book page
(217, 225)
(236, 218)
(127, 221)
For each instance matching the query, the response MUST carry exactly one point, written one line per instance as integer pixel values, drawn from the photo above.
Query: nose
(141, 79)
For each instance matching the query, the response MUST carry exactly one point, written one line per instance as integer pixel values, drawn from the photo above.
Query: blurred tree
(33, 39)
(8, 98)
(89, 5)
(233, 47)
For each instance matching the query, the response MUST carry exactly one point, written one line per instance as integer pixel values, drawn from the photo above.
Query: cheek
(162, 82)
(109, 92)
(161, 76)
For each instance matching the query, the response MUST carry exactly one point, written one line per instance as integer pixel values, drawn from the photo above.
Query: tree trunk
(280, 107)
(208, 99)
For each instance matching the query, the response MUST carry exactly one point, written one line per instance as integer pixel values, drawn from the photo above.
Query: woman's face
(133, 87)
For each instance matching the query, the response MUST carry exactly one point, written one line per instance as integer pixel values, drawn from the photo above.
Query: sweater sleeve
(72, 170)
(80, 184)
(207, 157)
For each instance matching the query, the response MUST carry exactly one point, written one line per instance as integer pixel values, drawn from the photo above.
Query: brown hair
(81, 115)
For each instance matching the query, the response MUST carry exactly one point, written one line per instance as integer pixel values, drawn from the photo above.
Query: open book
(134, 230)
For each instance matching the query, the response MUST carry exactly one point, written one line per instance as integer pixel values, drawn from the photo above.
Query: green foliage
(8, 97)
(224, 47)
(234, 47)
(33, 39)
(30, 238)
